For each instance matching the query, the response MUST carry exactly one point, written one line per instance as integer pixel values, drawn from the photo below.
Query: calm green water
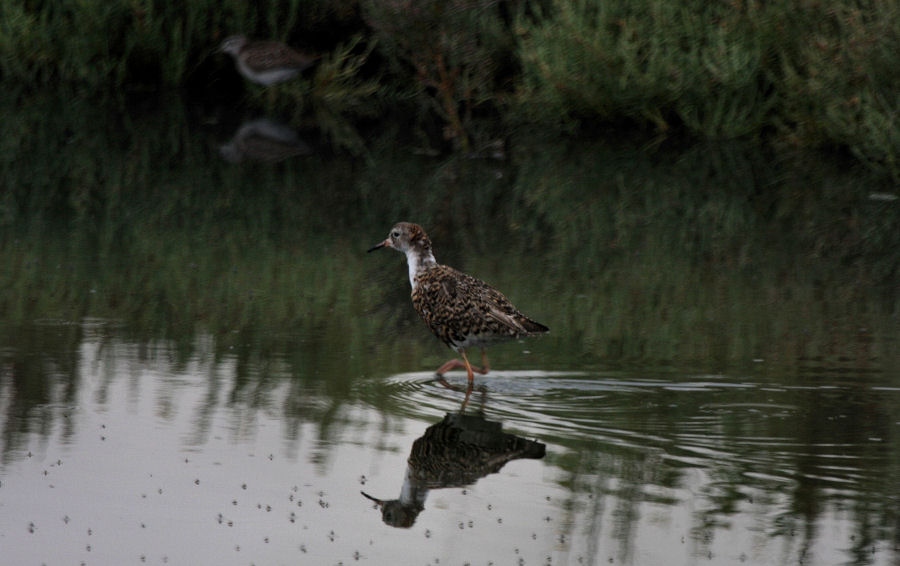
(199, 363)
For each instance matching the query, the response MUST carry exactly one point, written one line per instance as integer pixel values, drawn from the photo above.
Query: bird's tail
(534, 327)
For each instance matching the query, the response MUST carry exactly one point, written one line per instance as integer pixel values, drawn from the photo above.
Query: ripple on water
(562, 407)
(697, 421)
(421, 394)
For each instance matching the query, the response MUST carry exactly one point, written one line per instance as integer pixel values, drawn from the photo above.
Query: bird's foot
(452, 364)
(457, 364)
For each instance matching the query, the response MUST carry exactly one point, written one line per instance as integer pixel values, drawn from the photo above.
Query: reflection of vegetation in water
(695, 259)
(785, 462)
(642, 255)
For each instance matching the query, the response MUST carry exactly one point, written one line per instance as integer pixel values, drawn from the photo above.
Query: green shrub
(816, 73)
(839, 80)
(449, 54)
(652, 62)
(800, 73)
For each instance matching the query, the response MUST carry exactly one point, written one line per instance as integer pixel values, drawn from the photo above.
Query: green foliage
(819, 73)
(468, 72)
(25, 50)
(337, 96)
(650, 61)
(119, 44)
(449, 53)
(840, 82)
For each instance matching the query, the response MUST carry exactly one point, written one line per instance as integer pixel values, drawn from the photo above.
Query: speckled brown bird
(462, 311)
(265, 62)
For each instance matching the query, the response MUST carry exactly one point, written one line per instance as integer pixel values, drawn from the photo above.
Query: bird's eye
(395, 234)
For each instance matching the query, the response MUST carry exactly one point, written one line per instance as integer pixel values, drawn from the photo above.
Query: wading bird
(265, 62)
(464, 312)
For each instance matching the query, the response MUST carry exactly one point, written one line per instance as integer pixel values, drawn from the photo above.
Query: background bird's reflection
(264, 140)
(455, 452)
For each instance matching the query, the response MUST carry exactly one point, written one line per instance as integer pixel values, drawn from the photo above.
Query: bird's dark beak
(386, 243)
(379, 502)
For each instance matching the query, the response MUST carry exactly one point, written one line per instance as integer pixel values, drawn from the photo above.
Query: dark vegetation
(784, 74)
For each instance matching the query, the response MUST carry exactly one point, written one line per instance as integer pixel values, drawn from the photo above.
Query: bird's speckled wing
(463, 311)
(266, 55)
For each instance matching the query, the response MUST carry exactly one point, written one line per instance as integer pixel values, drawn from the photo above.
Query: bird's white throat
(418, 261)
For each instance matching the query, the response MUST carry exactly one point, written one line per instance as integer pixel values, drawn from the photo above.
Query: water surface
(199, 364)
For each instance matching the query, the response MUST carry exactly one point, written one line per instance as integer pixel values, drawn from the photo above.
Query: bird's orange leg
(455, 363)
(468, 369)
(452, 364)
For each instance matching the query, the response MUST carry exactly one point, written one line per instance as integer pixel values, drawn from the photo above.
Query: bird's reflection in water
(455, 452)
(264, 140)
